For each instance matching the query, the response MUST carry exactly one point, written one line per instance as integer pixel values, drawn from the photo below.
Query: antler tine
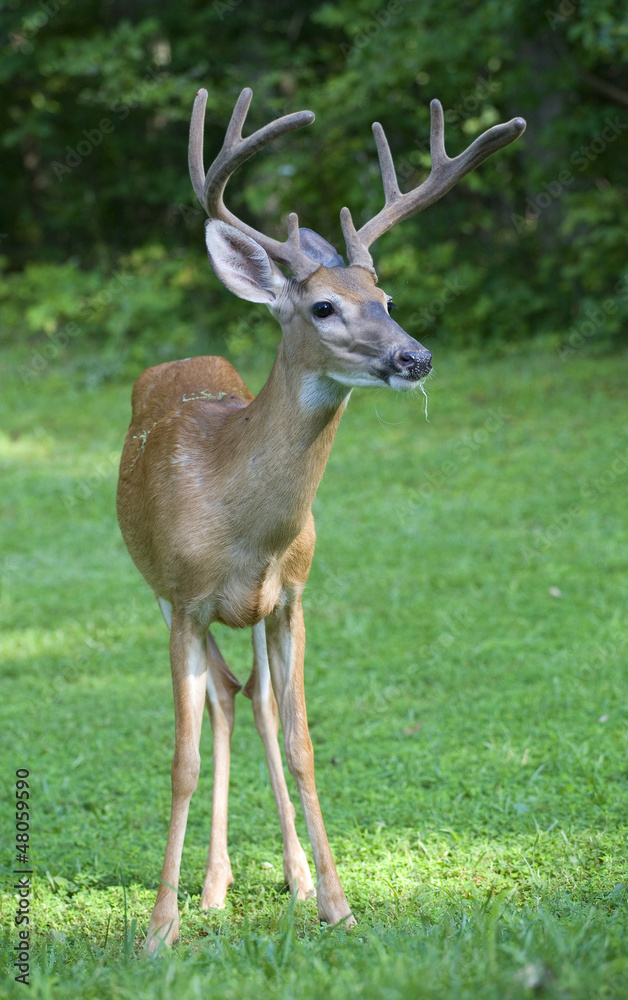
(233, 135)
(236, 150)
(195, 146)
(209, 188)
(438, 152)
(386, 165)
(444, 174)
(357, 253)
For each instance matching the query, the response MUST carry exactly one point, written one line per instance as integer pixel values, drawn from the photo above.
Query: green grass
(467, 642)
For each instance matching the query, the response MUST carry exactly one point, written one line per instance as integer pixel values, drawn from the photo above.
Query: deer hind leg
(189, 666)
(222, 688)
(286, 650)
(259, 689)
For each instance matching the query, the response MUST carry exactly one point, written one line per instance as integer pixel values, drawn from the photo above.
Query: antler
(444, 174)
(235, 150)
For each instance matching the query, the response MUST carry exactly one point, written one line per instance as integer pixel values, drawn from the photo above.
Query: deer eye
(322, 309)
(390, 306)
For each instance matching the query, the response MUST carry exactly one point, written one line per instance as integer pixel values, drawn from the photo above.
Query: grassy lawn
(467, 643)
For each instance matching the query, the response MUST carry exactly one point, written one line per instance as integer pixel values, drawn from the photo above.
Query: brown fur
(214, 503)
(192, 525)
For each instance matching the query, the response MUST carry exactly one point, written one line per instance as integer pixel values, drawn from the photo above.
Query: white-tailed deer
(216, 486)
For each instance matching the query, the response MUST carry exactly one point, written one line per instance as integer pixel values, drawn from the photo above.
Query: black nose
(416, 364)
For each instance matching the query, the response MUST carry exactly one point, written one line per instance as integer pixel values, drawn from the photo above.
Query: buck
(216, 486)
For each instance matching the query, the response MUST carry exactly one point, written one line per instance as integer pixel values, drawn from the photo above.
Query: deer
(216, 486)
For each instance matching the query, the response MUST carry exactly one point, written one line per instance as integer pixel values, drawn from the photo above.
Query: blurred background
(466, 610)
(101, 238)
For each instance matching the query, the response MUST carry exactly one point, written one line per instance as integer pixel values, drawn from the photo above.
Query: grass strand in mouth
(422, 388)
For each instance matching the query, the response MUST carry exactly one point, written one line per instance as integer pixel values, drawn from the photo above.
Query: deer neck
(278, 447)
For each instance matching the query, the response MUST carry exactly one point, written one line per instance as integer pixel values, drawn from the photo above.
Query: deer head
(331, 314)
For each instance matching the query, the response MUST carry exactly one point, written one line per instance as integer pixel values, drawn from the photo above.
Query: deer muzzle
(412, 365)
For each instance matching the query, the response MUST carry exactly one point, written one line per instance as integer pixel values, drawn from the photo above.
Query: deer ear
(319, 250)
(242, 264)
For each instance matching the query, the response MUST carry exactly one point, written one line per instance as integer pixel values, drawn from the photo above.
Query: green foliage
(466, 617)
(94, 116)
(152, 308)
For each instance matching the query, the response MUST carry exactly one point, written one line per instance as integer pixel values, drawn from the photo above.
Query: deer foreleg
(259, 688)
(286, 649)
(222, 688)
(189, 666)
